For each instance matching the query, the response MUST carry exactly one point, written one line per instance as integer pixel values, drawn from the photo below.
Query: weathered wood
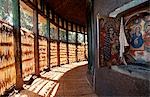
(42, 5)
(58, 46)
(17, 44)
(48, 38)
(31, 5)
(67, 42)
(53, 16)
(84, 44)
(72, 10)
(71, 26)
(76, 44)
(36, 42)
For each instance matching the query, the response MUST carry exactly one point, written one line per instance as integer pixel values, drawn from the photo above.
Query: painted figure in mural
(107, 49)
(147, 38)
(147, 34)
(114, 47)
(136, 38)
(102, 37)
(111, 47)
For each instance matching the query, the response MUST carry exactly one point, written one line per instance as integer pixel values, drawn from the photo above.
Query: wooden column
(58, 46)
(76, 45)
(67, 43)
(84, 44)
(17, 44)
(48, 37)
(36, 42)
(42, 5)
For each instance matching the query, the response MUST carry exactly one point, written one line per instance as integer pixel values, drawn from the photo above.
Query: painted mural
(109, 41)
(138, 34)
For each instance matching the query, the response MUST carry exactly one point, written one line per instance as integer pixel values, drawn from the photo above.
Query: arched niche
(137, 30)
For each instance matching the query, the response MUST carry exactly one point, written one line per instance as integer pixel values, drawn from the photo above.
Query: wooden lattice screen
(42, 53)
(72, 54)
(7, 60)
(86, 53)
(63, 53)
(53, 52)
(27, 46)
(80, 50)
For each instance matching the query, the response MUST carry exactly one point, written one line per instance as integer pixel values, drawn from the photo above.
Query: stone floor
(65, 81)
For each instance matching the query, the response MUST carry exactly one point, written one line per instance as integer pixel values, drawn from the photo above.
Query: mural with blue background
(138, 34)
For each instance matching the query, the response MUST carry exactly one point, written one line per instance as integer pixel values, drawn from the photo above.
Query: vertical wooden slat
(36, 42)
(67, 42)
(42, 5)
(52, 15)
(84, 44)
(62, 23)
(58, 46)
(48, 38)
(72, 27)
(17, 44)
(76, 43)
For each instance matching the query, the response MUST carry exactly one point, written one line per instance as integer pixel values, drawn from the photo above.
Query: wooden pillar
(48, 37)
(76, 44)
(84, 44)
(58, 46)
(42, 5)
(36, 42)
(17, 44)
(67, 42)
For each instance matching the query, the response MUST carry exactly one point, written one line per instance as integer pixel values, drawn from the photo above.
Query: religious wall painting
(136, 41)
(138, 35)
(147, 38)
(109, 41)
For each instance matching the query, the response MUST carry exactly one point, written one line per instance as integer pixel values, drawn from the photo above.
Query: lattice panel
(63, 53)
(72, 54)
(81, 53)
(7, 60)
(86, 51)
(53, 51)
(27, 46)
(42, 53)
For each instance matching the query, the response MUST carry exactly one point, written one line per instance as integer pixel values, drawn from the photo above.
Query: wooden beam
(42, 5)
(76, 44)
(71, 26)
(58, 45)
(36, 42)
(48, 38)
(84, 44)
(67, 42)
(17, 44)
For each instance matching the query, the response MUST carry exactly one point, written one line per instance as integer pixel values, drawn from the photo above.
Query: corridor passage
(65, 81)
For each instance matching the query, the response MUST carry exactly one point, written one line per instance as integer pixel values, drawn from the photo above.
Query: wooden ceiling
(72, 10)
